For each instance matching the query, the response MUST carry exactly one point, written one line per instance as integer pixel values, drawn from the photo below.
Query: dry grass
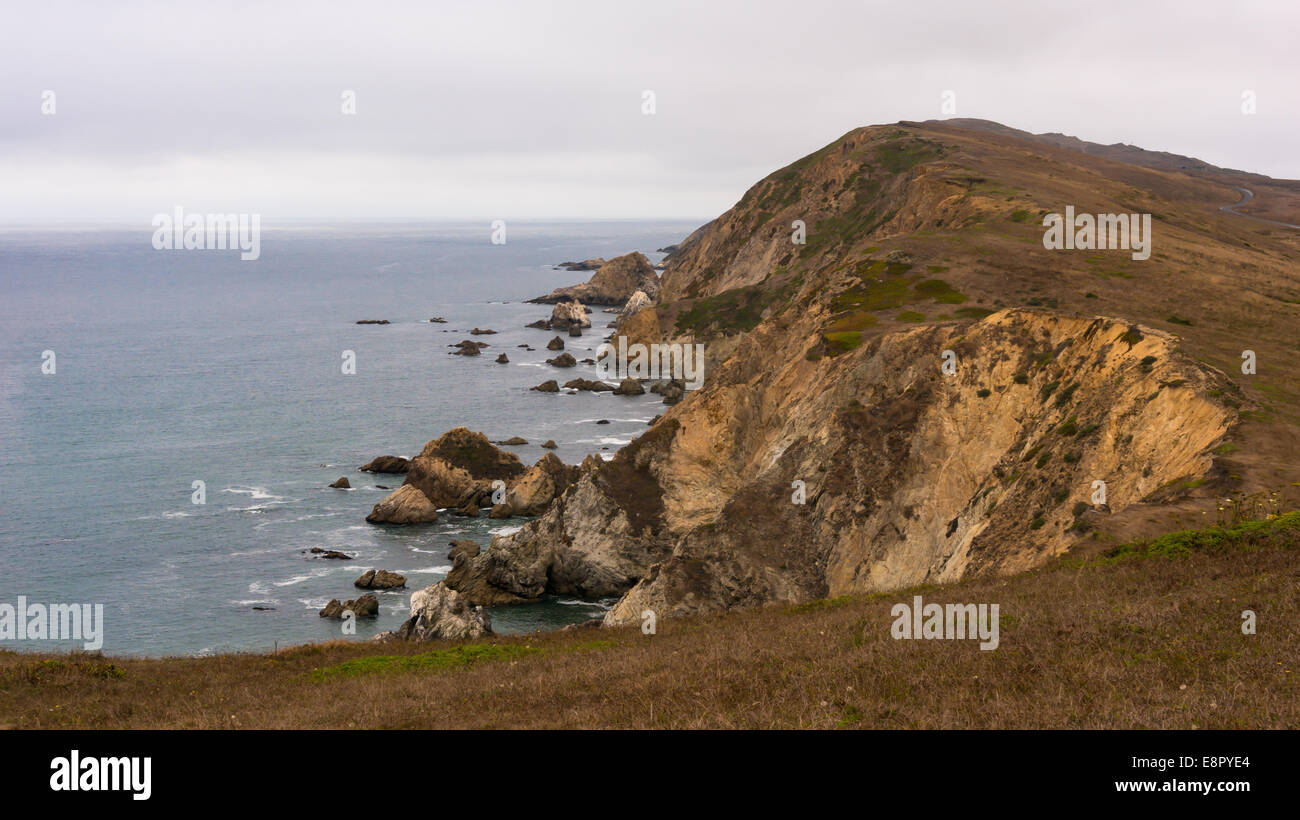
(1147, 637)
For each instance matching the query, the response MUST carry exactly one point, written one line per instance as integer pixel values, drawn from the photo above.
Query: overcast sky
(534, 110)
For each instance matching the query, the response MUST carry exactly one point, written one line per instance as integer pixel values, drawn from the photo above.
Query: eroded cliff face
(908, 474)
(830, 451)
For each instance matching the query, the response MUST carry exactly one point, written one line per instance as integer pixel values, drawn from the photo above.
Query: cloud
(534, 110)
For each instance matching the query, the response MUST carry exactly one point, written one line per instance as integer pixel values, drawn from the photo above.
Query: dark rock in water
(503, 359)
(550, 444)
(563, 360)
(467, 348)
(264, 609)
(342, 484)
(629, 387)
(331, 554)
(438, 320)
(550, 386)
(367, 606)
(588, 361)
(481, 332)
(575, 330)
(540, 324)
(467, 549)
(651, 422)
(387, 464)
(586, 264)
(603, 421)
(587, 384)
(555, 344)
(513, 441)
(382, 487)
(380, 579)
(440, 613)
(372, 321)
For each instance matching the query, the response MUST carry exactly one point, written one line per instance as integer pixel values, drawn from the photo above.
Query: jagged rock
(472, 452)
(481, 332)
(405, 505)
(613, 283)
(380, 579)
(550, 444)
(575, 330)
(367, 606)
(555, 344)
(629, 387)
(387, 464)
(467, 549)
(672, 390)
(442, 483)
(438, 320)
(542, 484)
(563, 360)
(637, 301)
(467, 348)
(470, 510)
(548, 386)
(503, 359)
(540, 324)
(440, 613)
(342, 484)
(568, 314)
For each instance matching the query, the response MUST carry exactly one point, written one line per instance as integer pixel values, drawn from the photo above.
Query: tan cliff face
(1079, 401)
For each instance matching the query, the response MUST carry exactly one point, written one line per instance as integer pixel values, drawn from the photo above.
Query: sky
(538, 110)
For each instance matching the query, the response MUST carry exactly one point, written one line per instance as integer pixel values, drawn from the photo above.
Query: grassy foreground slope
(1143, 635)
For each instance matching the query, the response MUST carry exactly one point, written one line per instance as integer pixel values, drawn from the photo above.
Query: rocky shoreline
(463, 473)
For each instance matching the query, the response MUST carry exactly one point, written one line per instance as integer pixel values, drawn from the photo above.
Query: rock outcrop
(387, 464)
(342, 484)
(440, 613)
(405, 505)
(454, 471)
(367, 606)
(380, 579)
(569, 315)
(613, 284)
(533, 493)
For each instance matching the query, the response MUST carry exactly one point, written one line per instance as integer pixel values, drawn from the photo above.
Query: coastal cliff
(904, 386)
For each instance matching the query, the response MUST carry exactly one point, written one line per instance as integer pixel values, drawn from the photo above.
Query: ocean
(174, 367)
